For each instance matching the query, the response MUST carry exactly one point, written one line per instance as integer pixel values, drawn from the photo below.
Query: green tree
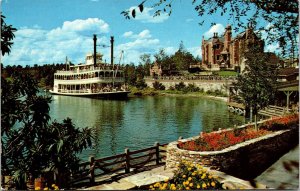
(164, 60)
(255, 87)
(30, 144)
(141, 84)
(282, 15)
(7, 35)
(130, 74)
(146, 63)
(182, 58)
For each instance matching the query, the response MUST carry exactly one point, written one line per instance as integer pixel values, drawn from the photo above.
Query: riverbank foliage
(189, 176)
(31, 143)
(216, 141)
(178, 89)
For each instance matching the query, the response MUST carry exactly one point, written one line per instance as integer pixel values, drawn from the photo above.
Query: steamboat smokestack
(112, 50)
(95, 51)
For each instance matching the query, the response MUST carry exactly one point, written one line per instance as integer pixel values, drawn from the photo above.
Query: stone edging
(245, 160)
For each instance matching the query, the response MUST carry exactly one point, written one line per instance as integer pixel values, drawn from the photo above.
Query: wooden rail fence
(121, 163)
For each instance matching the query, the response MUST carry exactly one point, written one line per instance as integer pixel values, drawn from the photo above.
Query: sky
(48, 31)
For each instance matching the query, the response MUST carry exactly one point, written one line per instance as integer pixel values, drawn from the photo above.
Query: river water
(137, 123)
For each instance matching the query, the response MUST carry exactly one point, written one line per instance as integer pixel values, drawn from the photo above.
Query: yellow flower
(189, 169)
(187, 188)
(209, 176)
(166, 180)
(203, 185)
(189, 179)
(37, 188)
(151, 186)
(56, 188)
(194, 174)
(184, 176)
(53, 185)
(213, 184)
(198, 186)
(191, 184)
(46, 188)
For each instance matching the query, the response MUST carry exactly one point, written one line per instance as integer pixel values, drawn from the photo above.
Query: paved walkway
(283, 174)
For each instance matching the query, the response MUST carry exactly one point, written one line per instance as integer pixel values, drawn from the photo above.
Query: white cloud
(128, 34)
(195, 51)
(170, 50)
(72, 39)
(219, 28)
(147, 15)
(142, 35)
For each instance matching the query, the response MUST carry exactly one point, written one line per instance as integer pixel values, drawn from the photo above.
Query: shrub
(180, 86)
(141, 84)
(192, 88)
(158, 86)
(189, 176)
(171, 88)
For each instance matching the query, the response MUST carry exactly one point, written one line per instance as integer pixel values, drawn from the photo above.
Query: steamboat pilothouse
(92, 79)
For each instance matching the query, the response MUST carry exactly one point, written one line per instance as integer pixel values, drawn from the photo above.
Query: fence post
(127, 166)
(92, 169)
(156, 144)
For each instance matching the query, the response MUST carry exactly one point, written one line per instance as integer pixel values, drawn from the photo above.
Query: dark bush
(158, 86)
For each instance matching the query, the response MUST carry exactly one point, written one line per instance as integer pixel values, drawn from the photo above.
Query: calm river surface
(139, 122)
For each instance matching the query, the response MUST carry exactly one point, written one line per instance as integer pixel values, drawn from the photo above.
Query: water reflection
(139, 122)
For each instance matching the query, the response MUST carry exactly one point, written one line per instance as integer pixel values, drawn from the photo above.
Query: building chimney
(112, 50)
(95, 51)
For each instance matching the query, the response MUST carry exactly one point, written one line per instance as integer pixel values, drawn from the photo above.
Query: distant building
(225, 52)
(155, 71)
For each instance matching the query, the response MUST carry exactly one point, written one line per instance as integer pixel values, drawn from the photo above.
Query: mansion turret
(225, 51)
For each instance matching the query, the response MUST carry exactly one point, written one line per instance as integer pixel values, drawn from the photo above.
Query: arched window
(101, 74)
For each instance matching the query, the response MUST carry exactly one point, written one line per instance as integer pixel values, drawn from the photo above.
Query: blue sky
(50, 30)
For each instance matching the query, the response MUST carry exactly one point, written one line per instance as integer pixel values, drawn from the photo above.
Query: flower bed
(245, 159)
(216, 141)
(189, 177)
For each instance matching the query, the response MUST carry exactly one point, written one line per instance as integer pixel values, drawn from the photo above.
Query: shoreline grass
(135, 92)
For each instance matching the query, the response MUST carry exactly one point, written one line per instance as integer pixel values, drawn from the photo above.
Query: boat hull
(108, 95)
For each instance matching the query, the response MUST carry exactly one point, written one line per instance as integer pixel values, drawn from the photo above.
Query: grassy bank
(135, 92)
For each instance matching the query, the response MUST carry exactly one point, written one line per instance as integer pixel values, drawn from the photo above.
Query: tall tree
(182, 58)
(7, 35)
(255, 87)
(146, 63)
(164, 60)
(30, 144)
(282, 15)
